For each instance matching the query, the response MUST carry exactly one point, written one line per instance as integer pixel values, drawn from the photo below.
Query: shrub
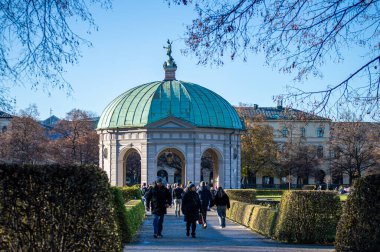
(120, 214)
(239, 212)
(308, 217)
(135, 216)
(263, 220)
(231, 212)
(129, 215)
(359, 226)
(131, 192)
(242, 195)
(56, 208)
(258, 218)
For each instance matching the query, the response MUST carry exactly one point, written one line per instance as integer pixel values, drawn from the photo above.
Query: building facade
(172, 129)
(293, 125)
(5, 120)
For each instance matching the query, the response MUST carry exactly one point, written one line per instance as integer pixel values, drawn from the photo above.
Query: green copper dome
(151, 102)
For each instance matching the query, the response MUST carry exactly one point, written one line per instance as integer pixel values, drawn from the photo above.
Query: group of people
(192, 201)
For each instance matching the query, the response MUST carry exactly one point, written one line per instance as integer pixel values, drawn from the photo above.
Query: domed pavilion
(173, 129)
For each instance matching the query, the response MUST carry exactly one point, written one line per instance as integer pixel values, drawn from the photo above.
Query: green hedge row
(308, 217)
(242, 195)
(56, 208)
(135, 216)
(302, 217)
(359, 227)
(258, 218)
(130, 192)
(129, 215)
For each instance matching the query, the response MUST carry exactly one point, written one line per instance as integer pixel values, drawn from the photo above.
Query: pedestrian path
(234, 237)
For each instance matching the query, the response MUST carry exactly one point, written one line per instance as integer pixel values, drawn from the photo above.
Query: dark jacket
(205, 196)
(222, 201)
(191, 205)
(144, 190)
(157, 198)
(177, 193)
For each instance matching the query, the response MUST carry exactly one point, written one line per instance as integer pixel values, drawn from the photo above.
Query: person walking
(177, 198)
(222, 203)
(158, 199)
(144, 190)
(190, 208)
(205, 197)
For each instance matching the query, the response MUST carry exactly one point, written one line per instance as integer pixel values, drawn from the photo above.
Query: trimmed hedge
(130, 192)
(259, 218)
(308, 217)
(359, 226)
(263, 220)
(129, 215)
(120, 214)
(56, 208)
(135, 215)
(242, 195)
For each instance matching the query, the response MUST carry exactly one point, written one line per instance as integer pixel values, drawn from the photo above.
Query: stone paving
(234, 237)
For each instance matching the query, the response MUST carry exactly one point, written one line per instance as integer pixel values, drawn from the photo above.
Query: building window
(320, 151)
(320, 132)
(285, 132)
(303, 132)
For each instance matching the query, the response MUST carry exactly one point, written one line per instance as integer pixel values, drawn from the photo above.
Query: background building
(5, 120)
(292, 126)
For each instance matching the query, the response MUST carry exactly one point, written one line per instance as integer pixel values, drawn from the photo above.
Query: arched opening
(210, 167)
(171, 166)
(132, 168)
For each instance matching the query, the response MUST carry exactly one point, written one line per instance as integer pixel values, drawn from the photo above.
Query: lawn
(343, 197)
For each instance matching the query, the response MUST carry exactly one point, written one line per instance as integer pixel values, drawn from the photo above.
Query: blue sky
(128, 51)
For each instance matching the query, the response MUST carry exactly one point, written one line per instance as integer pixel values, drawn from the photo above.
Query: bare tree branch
(297, 37)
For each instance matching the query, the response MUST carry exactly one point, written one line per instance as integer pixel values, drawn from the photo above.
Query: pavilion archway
(171, 166)
(210, 167)
(132, 168)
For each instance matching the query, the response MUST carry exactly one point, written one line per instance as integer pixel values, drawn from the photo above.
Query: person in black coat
(222, 203)
(190, 208)
(158, 198)
(205, 197)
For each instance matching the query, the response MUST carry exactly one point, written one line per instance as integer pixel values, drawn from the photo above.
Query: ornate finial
(169, 66)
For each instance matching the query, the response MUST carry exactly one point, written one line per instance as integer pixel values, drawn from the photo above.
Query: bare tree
(25, 140)
(296, 158)
(296, 36)
(77, 141)
(38, 39)
(354, 146)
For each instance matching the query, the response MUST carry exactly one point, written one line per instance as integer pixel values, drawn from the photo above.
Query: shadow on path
(234, 237)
